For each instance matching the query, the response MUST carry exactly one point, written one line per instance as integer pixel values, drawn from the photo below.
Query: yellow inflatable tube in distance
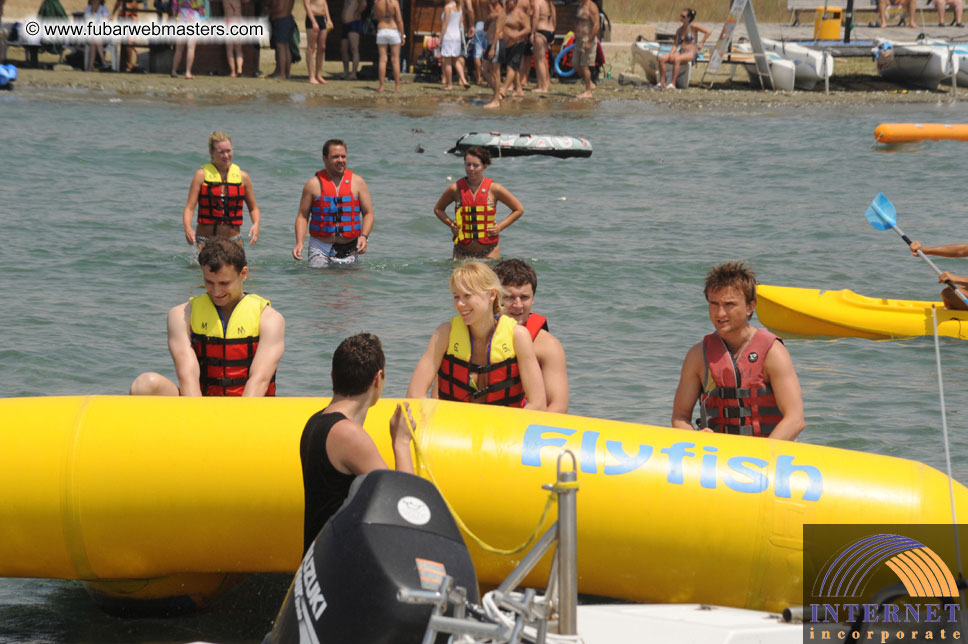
(106, 488)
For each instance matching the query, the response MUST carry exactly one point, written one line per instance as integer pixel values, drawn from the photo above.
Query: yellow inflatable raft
(112, 488)
(910, 132)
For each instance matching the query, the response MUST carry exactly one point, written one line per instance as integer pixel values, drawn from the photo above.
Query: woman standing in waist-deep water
(475, 227)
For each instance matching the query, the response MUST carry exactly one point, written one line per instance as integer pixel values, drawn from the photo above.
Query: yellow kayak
(810, 311)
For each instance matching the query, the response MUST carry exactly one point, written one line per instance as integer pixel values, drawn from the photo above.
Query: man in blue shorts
(477, 44)
(350, 36)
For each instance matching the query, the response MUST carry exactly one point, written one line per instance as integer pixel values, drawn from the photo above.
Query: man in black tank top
(335, 448)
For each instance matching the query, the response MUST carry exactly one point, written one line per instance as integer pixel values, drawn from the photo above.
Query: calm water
(91, 194)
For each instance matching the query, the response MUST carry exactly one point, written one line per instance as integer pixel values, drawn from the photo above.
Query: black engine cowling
(393, 531)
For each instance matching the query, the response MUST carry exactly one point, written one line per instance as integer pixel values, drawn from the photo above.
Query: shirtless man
(524, 71)
(350, 42)
(318, 24)
(339, 227)
(494, 26)
(517, 32)
(477, 44)
(541, 39)
(283, 25)
(587, 26)
(389, 35)
(520, 283)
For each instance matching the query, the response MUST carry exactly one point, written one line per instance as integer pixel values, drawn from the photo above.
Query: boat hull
(810, 66)
(122, 487)
(804, 311)
(921, 65)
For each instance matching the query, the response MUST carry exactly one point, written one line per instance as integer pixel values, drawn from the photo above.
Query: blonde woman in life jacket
(219, 189)
(475, 227)
(480, 355)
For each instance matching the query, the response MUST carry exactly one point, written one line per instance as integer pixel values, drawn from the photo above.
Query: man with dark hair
(743, 377)
(520, 284)
(225, 342)
(335, 448)
(336, 210)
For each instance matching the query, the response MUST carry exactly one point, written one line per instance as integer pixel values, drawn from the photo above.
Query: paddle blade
(881, 213)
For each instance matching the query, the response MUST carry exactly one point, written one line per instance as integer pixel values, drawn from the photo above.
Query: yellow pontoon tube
(104, 488)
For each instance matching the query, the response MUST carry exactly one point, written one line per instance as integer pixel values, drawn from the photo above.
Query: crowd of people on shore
(478, 38)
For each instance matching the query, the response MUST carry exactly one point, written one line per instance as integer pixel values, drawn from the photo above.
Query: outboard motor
(393, 531)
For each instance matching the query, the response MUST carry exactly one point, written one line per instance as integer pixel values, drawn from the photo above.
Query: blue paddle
(883, 216)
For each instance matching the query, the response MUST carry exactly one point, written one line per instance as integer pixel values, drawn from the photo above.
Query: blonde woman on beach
(480, 355)
(684, 50)
(218, 190)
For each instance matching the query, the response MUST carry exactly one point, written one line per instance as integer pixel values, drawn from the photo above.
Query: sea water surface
(92, 189)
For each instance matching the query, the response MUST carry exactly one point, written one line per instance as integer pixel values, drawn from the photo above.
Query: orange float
(909, 132)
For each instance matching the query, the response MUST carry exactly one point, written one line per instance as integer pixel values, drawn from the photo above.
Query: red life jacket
(535, 323)
(220, 202)
(334, 214)
(503, 380)
(225, 354)
(473, 215)
(735, 399)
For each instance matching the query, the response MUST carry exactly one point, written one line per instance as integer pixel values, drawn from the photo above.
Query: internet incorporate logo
(889, 586)
(922, 572)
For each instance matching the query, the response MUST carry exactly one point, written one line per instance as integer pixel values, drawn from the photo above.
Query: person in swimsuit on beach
(685, 49)
(283, 26)
(128, 10)
(477, 45)
(336, 210)
(494, 29)
(587, 26)
(350, 36)
(186, 11)
(542, 38)
(475, 228)
(233, 47)
(517, 34)
(389, 35)
(479, 355)
(318, 24)
(452, 44)
(218, 189)
(743, 377)
(334, 448)
(951, 299)
(224, 343)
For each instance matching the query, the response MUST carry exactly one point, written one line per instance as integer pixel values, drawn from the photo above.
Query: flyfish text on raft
(741, 474)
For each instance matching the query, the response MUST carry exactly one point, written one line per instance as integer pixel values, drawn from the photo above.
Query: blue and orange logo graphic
(919, 568)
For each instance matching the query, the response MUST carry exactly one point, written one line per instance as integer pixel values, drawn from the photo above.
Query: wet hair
(737, 274)
(480, 153)
(356, 362)
(217, 253)
(516, 272)
(691, 13)
(216, 137)
(330, 143)
(477, 277)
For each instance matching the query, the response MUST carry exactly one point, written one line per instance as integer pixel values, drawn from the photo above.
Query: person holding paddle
(951, 299)
(743, 377)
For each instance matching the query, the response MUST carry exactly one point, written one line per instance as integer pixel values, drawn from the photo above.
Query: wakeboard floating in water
(517, 145)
